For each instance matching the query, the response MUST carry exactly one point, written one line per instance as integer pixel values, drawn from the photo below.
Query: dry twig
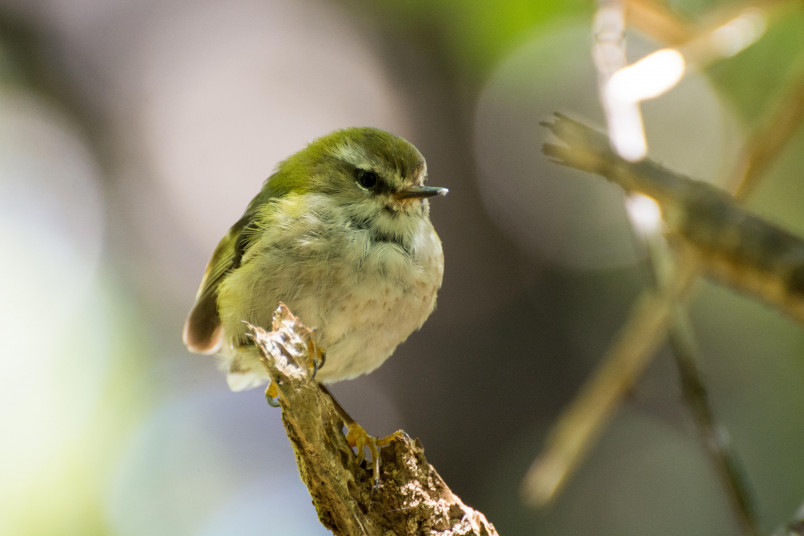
(729, 243)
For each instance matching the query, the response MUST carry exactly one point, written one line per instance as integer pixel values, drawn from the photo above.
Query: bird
(341, 234)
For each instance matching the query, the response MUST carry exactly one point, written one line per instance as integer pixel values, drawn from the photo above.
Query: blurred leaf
(756, 77)
(477, 33)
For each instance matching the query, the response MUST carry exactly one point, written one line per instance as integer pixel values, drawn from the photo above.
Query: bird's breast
(363, 296)
(374, 300)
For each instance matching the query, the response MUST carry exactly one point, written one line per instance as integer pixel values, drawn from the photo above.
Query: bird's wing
(203, 332)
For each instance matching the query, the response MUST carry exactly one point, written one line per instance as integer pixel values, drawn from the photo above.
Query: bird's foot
(358, 438)
(272, 394)
(317, 356)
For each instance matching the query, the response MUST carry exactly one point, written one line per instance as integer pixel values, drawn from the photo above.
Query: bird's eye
(366, 179)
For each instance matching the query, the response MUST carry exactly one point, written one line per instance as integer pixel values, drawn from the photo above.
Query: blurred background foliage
(132, 134)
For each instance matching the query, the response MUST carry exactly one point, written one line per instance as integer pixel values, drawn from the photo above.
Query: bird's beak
(419, 192)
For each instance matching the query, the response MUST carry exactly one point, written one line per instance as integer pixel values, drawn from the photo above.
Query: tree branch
(752, 255)
(411, 497)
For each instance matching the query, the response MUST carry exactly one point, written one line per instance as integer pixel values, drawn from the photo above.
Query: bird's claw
(272, 394)
(319, 357)
(358, 438)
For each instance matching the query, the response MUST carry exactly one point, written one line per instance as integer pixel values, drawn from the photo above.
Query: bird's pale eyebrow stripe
(352, 153)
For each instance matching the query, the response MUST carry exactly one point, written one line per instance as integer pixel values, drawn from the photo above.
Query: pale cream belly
(364, 328)
(360, 314)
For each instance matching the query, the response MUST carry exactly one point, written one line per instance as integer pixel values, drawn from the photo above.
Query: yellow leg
(272, 395)
(358, 438)
(317, 356)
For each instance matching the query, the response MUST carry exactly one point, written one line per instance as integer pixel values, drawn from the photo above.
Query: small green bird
(340, 233)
